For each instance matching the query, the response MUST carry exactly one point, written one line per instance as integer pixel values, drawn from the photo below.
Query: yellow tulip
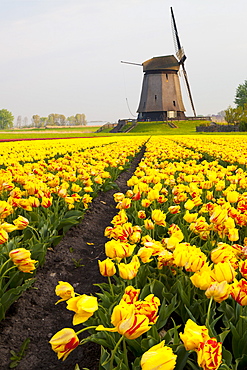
(27, 266)
(84, 307)
(222, 253)
(127, 323)
(158, 357)
(165, 258)
(117, 249)
(189, 205)
(219, 291)
(239, 292)
(209, 354)
(148, 224)
(202, 278)
(130, 294)
(128, 271)
(20, 254)
(21, 222)
(8, 227)
(153, 194)
(64, 290)
(190, 217)
(174, 209)
(145, 254)
(3, 236)
(233, 234)
(243, 268)
(193, 335)
(21, 257)
(107, 267)
(224, 271)
(148, 307)
(158, 217)
(64, 342)
(232, 196)
(141, 214)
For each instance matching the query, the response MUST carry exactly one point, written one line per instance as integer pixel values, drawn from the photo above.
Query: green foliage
(77, 263)
(233, 115)
(7, 298)
(241, 95)
(6, 119)
(18, 356)
(243, 126)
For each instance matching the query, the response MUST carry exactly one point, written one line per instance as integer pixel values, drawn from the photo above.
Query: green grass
(162, 128)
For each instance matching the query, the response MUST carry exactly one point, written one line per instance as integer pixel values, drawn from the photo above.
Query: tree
(55, 119)
(62, 119)
(6, 119)
(43, 121)
(50, 120)
(233, 115)
(25, 121)
(80, 119)
(71, 121)
(36, 120)
(18, 121)
(241, 95)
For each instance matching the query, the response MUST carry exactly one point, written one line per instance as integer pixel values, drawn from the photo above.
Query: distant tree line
(55, 119)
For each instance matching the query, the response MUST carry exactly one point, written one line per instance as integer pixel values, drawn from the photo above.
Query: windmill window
(174, 103)
(155, 97)
(166, 77)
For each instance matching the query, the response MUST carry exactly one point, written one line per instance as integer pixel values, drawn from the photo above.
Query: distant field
(142, 128)
(57, 132)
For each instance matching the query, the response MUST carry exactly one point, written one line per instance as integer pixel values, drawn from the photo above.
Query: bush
(243, 126)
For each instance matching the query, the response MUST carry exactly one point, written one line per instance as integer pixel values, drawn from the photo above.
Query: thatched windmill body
(161, 96)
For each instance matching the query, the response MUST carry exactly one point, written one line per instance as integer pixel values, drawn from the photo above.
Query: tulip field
(175, 266)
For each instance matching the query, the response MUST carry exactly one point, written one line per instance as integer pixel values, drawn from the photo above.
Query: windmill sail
(181, 57)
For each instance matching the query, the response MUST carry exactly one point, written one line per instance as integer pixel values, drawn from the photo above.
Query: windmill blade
(181, 57)
(135, 64)
(178, 48)
(188, 89)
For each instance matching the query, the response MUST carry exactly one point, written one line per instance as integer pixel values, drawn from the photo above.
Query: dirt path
(36, 317)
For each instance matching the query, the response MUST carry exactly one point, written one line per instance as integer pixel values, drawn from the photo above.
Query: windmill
(161, 96)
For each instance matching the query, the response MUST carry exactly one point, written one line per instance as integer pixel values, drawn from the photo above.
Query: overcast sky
(63, 56)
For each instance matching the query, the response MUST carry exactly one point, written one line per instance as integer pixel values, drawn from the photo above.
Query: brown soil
(35, 315)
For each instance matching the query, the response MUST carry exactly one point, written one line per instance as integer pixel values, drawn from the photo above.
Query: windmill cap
(168, 62)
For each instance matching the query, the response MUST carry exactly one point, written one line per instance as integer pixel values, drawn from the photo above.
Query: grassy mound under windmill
(162, 128)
